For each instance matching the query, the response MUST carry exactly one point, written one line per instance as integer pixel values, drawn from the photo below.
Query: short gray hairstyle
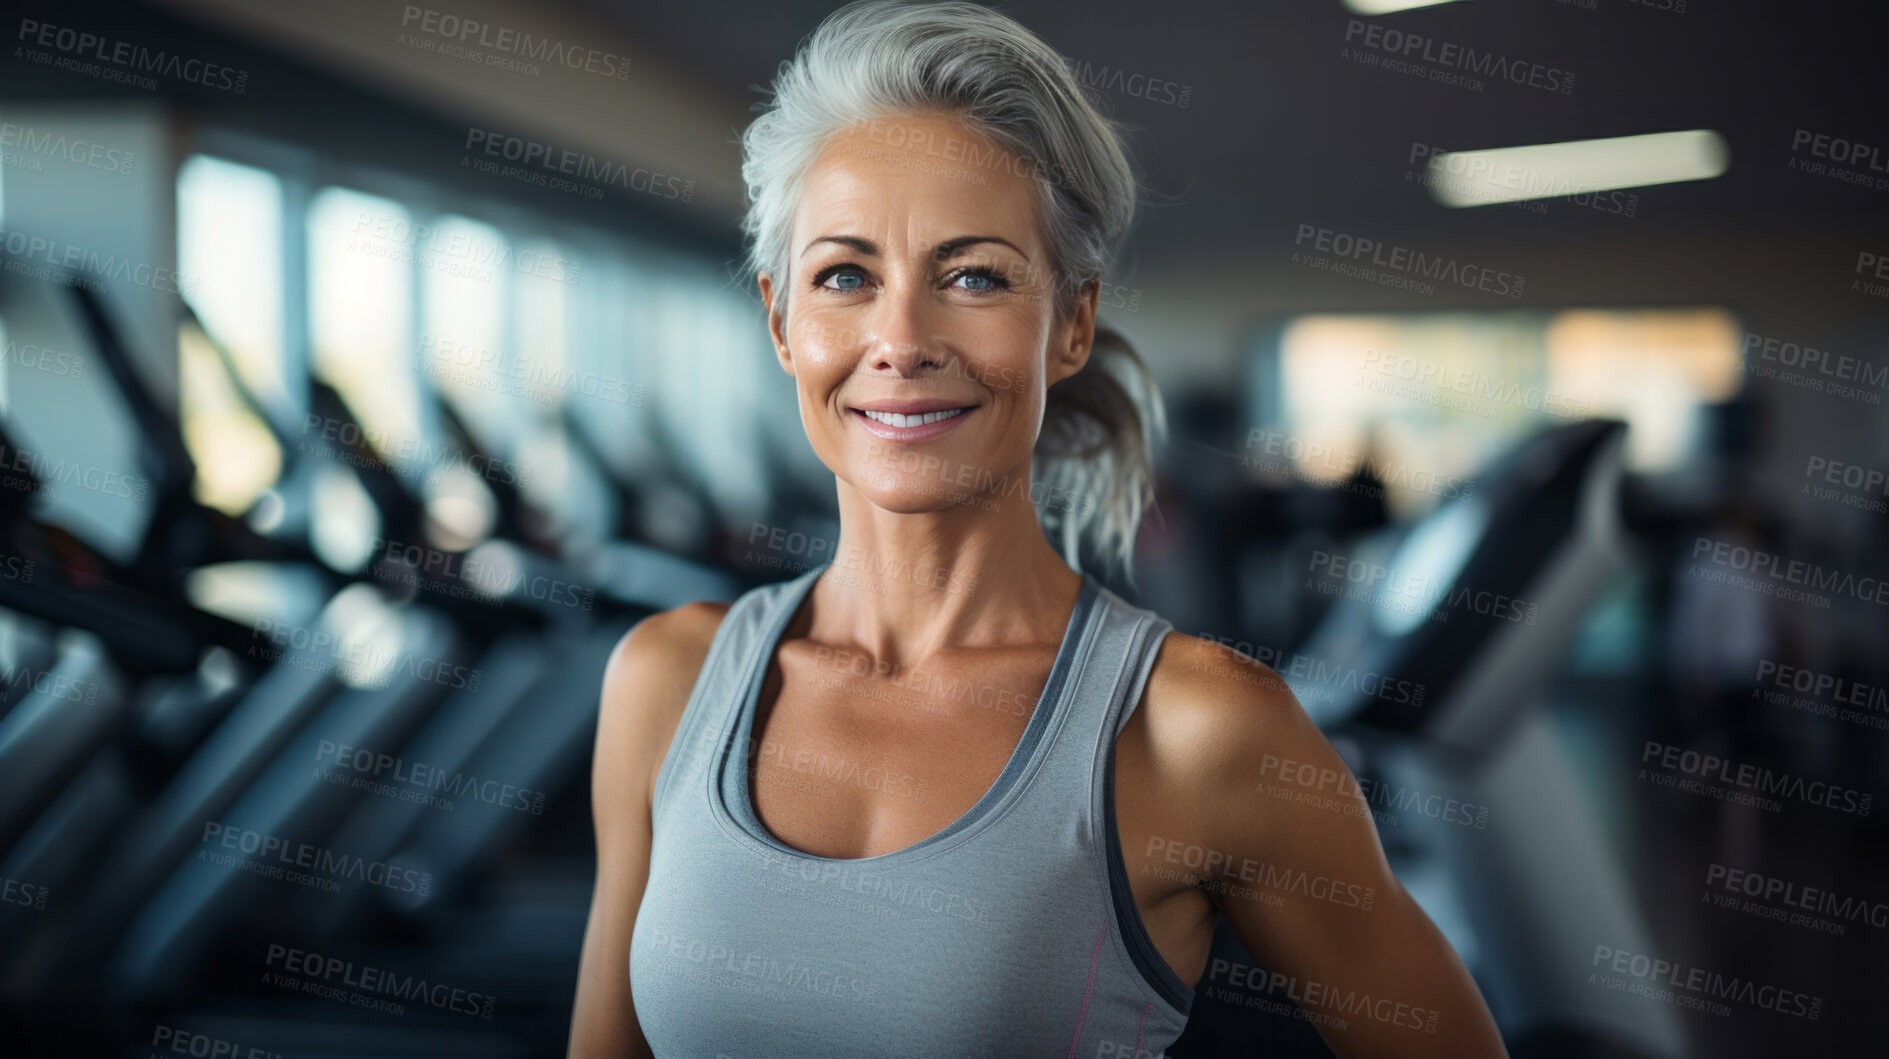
(875, 59)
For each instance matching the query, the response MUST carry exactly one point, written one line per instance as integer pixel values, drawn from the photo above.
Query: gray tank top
(1012, 932)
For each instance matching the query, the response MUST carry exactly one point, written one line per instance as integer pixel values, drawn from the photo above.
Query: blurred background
(343, 436)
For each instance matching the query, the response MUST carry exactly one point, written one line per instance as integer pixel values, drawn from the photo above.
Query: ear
(776, 323)
(1075, 338)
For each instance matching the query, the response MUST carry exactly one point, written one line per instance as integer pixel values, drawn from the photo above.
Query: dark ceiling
(1282, 130)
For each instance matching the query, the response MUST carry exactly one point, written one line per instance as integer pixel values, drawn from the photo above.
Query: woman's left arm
(1300, 874)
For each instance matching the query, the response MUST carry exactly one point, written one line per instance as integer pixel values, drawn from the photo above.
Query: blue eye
(981, 280)
(842, 272)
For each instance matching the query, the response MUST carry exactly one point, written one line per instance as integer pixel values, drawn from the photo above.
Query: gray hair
(1093, 467)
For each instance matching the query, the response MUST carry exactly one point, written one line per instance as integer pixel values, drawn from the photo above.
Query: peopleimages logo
(1473, 170)
(357, 660)
(421, 777)
(1782, 576)
(1314, 461)
(335, 978)
(467, 576)
(17, 892)
(884, 888)
(1114, 79)
(41, 359)
(1402, 263)
(1215, 864)
(55, 145)
(1307, 994)
(765, 971)
(84, 267)
(54, 474)
(415, 458)
(1827, 686)
(173, 1041)
(46, 682)
(474, 33)
(1805, 905)
(122, 60)
(1343, 785)
(1314, 670)
(531, 153)
(1706, 987)
(542, 380)
(1838, 158)
(303, 863)
(1404, 592)
(1485, 387)
(1676, 761)
(1452, 57)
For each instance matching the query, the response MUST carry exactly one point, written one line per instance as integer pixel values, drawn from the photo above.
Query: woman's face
(920, 324)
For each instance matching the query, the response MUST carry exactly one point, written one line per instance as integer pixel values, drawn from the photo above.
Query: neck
(907, 586)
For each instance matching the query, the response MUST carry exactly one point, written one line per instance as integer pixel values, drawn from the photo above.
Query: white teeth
(893, 419)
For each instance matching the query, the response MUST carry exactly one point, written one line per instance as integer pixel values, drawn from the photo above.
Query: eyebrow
(946, 249)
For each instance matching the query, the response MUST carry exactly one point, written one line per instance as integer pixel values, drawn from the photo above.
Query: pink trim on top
(1087, 989)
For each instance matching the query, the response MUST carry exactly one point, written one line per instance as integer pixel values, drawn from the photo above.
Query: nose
(903, 337)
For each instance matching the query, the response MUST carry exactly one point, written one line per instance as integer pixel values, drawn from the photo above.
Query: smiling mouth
(910, 427)
(894, 419)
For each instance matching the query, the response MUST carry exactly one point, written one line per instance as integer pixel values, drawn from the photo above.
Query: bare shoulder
(1213, 721)
(661, 651)
(646, 687)
(1202, 695)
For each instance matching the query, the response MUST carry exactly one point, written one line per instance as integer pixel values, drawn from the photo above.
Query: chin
(911, 496)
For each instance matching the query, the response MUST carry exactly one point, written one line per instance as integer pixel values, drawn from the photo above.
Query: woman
(946, 795)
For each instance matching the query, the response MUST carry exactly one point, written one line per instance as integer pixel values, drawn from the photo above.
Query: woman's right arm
(646, 685)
